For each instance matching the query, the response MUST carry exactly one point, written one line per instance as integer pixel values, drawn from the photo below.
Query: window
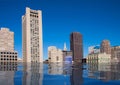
(57, 58)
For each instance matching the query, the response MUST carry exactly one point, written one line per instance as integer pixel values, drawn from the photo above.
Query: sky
(96, 20)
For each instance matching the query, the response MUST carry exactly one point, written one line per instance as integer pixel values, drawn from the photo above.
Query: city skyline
(95, 20)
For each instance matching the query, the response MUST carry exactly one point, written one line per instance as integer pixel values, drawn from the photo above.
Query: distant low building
(55, 54)
(67, 56)
(94, 49)
(20, 60)
(99, 58)
(115, 54)
(105, 47)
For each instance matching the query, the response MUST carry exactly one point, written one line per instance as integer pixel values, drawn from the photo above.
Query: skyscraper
(76, 46)
(32, 36)
(105, 47)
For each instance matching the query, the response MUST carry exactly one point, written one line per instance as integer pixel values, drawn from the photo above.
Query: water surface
(59, 74)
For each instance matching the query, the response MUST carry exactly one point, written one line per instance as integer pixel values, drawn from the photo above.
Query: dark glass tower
(76, 46)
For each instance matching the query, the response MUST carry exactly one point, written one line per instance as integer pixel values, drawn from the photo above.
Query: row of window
(8, 56)
(8, 59)
(32, 15)
(8, 69)
(8, 53)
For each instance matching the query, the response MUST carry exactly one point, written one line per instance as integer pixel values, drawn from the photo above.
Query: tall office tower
(76, 46)
(32, 36)
(7, 53)
(105, 47)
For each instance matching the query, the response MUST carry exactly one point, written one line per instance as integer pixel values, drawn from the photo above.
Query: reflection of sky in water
(52, 75)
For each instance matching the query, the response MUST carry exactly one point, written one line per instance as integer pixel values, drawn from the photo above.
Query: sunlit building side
(7, 52)
(32, 46)
(54, 54)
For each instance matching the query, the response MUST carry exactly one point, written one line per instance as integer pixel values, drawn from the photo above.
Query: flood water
(59, 74)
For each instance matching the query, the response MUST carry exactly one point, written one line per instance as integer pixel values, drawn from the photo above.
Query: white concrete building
(7, 53)
(6, 40)
(54, 54)
(32, 42)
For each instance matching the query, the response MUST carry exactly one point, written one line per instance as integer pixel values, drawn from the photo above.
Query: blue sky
(94, 19)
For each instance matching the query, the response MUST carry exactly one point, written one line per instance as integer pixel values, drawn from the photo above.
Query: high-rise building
(76, 46)
(32, 36)
(55, 54)
(105, 47)
(7, 53)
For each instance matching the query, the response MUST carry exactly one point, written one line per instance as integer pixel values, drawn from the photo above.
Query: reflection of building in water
(55, 68)
(76, 76)
(7, 78)
(104, 71)
(33, 74)
(7, 70)
(115, 54)
(8, 66)
(57, 74)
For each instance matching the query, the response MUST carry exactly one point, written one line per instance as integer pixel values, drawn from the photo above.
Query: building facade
(6, 40)
(76, 46)
(7, 53)
(115, 53)
(67, 56)
(98, 58)
(55, 55)
(32, 45)
(105, 47)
